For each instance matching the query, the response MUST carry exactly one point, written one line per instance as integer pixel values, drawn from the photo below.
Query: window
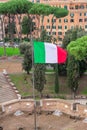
(65, 6)
(81, 6)
(80, 14)
(59, 27)
(59, 33)
(54, 33)
(72, 27)
(76, 7)
(59, 20)
(85, 26)
(71, 7)
(65, 27)
(48, 27)
(65, 20)
(72, 14)
(59, 38)
(53, 27)
(38, 1)
(42, 27)
(34, 23)
(85, 14)
(71, 20)
(85, 20)
(48, 33)
(54, 20)
(80, 20)
(48, 20)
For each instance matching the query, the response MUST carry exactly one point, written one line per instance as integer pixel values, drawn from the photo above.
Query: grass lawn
(24, 85)
(10, 51)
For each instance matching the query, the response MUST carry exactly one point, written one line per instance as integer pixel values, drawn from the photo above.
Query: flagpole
(35, 124)
(31, 41)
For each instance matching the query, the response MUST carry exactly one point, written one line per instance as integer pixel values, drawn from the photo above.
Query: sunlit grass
(10, 51)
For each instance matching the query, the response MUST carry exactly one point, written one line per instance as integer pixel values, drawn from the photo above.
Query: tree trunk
(20, 33)
(2, 28)
(56, 79)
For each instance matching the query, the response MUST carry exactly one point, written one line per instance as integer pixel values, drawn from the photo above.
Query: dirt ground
(11, 65)
(43, 121)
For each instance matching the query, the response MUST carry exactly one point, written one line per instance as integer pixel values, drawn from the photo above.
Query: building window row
(71, 20)
(78, 7)
(54, 27)
(65, 27)
(54, 33)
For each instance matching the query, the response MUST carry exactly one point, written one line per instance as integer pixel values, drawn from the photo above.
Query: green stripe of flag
(39, 52)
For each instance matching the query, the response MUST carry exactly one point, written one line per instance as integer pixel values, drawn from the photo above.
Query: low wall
(45, 105)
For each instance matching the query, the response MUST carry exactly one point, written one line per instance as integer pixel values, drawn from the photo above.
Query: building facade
(77, 17)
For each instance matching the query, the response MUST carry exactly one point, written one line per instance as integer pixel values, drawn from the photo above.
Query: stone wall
(45, 105)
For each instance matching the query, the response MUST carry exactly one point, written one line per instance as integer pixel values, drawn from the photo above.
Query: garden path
(6, 91)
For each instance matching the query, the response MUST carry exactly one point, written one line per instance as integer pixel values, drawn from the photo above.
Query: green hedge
(10, 51)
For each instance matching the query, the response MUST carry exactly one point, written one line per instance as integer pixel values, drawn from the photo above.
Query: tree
(26, 50)
(70, 66)
(72, 35)
(40, 68)
(39, 75)
(23, 47)
(16, 8)
(78, 49)
(56, 79)
(45, 37)
(57, 13)
(27, 23)
(27, 62)
(72, 74)
(45, 10)
(10, 29)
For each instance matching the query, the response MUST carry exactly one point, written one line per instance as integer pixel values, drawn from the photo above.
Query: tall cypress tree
(56, 79)
(72, 74)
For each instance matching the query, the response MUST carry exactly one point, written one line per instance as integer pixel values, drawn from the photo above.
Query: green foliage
(27, 62)
(26, 39)
(72, 73)
(10, 28)
(84, 91)
(74, 67)
(16, 7)
(39, 74)
(23, 46)
(78, 48)
(56, 79)
(16, 40)
(40, 9)
(45, 37)
(27, 25)
(9, 51)
(72, 35)
(26, 50)
(59, 12)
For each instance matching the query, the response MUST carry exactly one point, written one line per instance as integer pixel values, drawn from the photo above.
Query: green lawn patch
(23, 83)
(10, 51)
(84, 91)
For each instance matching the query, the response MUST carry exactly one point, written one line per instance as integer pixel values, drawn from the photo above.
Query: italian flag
(48, 53)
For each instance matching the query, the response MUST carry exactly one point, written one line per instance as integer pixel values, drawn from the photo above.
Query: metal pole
(35, 124)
